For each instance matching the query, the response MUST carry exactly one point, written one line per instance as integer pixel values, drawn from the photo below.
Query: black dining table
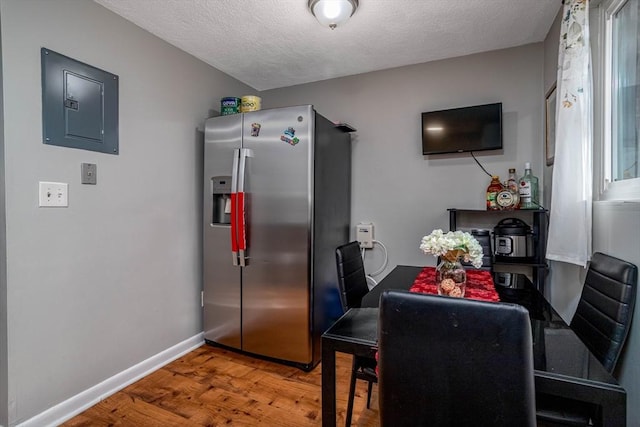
(563, 364)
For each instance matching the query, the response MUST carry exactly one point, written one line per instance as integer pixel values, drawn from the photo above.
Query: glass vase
(451, 278)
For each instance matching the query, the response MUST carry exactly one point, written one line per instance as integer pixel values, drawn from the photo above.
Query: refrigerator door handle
(234, 206)
(241, 216)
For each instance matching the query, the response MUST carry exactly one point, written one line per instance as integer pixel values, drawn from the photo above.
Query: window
(621, 144)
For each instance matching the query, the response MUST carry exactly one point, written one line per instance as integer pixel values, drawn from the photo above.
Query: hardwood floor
(215, 387)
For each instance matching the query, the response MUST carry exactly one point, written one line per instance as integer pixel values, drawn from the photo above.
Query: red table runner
(480, 284)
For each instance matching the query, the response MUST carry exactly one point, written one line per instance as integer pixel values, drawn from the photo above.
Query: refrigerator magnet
(289, 136)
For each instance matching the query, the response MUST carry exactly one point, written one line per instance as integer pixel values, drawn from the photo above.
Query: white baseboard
(80, 402)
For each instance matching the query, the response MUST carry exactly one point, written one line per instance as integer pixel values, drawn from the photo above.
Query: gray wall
(115, 278)
(3, 262)
(404, 193)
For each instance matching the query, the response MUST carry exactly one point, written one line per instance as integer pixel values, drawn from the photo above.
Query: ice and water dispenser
(221, 189)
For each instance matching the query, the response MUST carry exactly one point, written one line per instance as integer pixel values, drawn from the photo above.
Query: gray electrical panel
(79, 104)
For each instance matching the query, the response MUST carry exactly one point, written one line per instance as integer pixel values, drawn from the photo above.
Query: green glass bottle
(528, 189)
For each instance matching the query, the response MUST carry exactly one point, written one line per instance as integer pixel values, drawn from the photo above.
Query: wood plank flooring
(215, 387)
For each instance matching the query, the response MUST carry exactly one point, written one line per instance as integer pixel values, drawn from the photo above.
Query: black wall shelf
(537, 218)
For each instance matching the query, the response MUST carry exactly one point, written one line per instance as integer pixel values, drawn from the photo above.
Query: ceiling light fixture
(332, 13)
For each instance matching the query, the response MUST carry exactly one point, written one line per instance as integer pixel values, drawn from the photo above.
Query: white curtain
(571, 191)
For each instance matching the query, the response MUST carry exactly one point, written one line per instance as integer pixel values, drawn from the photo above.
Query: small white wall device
(53, 194)
(364, 235)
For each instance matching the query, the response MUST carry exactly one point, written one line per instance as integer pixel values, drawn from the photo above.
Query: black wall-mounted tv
(459, 130)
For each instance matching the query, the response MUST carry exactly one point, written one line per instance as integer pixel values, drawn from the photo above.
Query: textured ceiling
(276, 43)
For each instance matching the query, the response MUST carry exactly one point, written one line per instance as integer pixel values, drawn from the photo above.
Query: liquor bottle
(509, 197)
(512, 184)
(506, 198)
(528, 189)
(492, 193)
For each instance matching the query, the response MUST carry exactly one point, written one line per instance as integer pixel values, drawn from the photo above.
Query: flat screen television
(459, 130)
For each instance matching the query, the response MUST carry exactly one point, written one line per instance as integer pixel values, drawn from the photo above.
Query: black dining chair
(352, 282)
(602, 320)
(454, 362)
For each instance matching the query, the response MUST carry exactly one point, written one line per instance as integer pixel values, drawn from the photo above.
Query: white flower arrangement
(452, 246)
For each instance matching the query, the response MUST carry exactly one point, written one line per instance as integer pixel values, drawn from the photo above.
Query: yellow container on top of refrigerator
(250, 103)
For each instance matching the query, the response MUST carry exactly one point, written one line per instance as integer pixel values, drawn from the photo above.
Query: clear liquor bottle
(512, 185)
(528, 189)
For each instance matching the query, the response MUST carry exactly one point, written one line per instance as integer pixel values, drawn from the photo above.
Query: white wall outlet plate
(53, 194)
(364, 235)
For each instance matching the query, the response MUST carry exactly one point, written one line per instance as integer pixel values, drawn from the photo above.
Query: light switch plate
(53, 194)
(89, 173)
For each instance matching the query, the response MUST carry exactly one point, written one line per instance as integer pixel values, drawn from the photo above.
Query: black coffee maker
(484, 238)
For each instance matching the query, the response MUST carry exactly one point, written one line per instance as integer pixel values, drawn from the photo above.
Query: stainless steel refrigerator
(276, 205)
